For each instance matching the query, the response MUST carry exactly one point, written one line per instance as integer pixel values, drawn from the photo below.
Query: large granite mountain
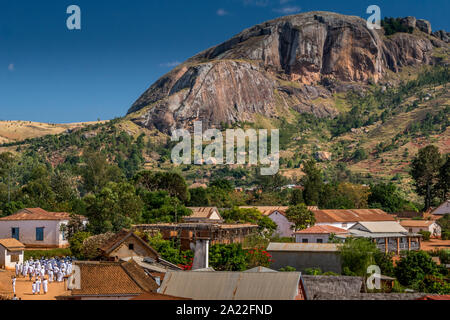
(282, 66)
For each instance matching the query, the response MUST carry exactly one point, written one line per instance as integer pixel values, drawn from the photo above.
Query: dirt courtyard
(23, 288)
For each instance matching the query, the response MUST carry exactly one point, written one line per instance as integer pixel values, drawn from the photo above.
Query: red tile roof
(36, 214)
(353, 215)
(116, 240)
(113, 279)
(322, 229)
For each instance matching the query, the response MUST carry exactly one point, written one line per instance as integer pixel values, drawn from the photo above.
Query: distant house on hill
(416, 226)
(226, 286)
(11, 252)
(36, 228)
(108, 281)
(317, 234)
(204, 214)
(345, 219)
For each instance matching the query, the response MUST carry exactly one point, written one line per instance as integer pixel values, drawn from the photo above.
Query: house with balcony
(389, 236)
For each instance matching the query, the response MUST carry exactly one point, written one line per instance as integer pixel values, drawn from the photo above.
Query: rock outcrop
(277, 66)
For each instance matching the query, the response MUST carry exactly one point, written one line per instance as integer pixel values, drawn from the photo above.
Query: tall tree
(312, 182)
(300, 216)
(425, 172)
(443, 186)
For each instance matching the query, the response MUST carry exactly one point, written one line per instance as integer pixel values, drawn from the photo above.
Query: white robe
(50, 275)
(60, 276)
(14, 285)
(38, 286)
(33, 288)
(45, 285)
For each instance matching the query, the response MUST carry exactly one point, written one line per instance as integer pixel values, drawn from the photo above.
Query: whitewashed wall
(27, 232)
(312, 238)
(284, 226)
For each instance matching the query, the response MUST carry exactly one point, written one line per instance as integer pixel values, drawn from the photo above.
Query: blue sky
(51, 74)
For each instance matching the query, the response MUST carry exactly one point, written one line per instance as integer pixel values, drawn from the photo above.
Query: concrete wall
(27, 232)
(435, 229)
(326, 261)
(284, 226)
(312, 238)
(344, 226)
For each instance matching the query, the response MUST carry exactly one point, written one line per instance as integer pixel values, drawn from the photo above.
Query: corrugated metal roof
(306, 247)
(322, 229)
(232, 285)
(416, 223)
(203, 212)
(12, 244)
(36, 214)
(365, 234)
(380, 226)
(354, 215)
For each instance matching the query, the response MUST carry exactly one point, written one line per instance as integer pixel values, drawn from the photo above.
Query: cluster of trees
(394, 25)
(415, 270)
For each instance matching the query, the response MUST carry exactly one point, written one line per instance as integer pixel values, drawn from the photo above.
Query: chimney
(201, 255)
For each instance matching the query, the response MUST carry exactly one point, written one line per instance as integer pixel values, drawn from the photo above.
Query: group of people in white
(42, 272)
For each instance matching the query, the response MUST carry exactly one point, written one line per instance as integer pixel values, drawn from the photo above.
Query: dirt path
(23, 288)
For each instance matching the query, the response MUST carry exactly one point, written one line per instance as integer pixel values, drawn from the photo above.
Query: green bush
(288, 269)
(60, 252)
(426, 235)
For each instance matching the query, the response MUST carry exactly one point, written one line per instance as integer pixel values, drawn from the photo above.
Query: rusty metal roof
(232, 285)
(12, 244)
(353, 215)
(303, 247)
(416, 223)
(36, 214)
(322, 229)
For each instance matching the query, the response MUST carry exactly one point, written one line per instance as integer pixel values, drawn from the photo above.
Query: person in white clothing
(38, 286)
(17, 269)
(50, 275)
(33, 287)
(45, 285)
(13, 281)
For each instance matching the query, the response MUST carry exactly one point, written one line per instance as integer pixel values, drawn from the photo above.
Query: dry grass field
(13, 131)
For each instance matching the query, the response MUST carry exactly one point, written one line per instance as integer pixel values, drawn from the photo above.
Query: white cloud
(170, 64)
(221, 12)
(288, 10)
(11, 67)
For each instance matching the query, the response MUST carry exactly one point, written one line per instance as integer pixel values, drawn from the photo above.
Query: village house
(416, 226)
(36, 228)
(11, 252)
(345, 219)
(285, 228)
(389, 236)
(302, 256)
(318, 234)
(108, 281)
(204, 214)
(225, 286)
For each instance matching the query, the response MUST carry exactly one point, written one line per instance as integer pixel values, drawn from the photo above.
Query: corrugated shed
(306, 247)
(354, 215)
(232, 285)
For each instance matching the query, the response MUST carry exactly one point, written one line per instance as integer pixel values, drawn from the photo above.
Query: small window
(305, 241)
(131, 246)
(39, 234)
(319, 240)
(15, 233)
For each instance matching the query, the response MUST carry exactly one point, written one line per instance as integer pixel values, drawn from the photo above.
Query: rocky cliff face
(280, 65)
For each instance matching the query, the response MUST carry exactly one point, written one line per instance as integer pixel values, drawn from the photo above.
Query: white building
(416, 226)
(345, 219)
(285, 228)
(11, 252)
(36, 228)
(318, 234)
